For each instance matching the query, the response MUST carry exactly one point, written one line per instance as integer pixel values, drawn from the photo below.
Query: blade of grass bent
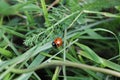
(90, 54)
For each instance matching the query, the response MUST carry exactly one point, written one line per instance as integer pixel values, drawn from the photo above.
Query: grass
(90, 33)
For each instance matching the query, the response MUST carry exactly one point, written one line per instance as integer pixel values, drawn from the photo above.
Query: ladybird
(57, 42)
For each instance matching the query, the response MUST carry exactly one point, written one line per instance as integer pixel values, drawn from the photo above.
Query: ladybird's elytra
(57, 42)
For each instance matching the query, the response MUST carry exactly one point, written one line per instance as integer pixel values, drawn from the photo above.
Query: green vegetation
(90, 30)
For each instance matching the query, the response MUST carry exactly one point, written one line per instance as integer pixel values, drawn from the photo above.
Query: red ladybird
(57, 42)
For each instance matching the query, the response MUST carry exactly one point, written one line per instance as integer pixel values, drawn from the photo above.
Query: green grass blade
(90, 54)
(5, 52)
(36, 62)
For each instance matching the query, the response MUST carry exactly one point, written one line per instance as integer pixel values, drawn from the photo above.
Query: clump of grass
(27, 29)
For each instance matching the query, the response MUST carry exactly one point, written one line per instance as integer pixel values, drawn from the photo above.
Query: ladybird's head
(54, 45)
